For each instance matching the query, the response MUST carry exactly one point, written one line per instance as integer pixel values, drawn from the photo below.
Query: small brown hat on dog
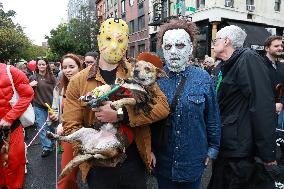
(152, 58)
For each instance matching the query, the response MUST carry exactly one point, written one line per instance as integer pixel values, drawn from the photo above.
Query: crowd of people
(227, 110)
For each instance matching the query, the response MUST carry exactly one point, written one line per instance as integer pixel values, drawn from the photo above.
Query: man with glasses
(248, 116)
(90, 58)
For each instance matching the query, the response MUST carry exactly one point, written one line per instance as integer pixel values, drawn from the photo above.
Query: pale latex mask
(177, 48)
(113, 40)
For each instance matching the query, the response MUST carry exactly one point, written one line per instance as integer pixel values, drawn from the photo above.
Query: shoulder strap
(10, 77)
(178, 93)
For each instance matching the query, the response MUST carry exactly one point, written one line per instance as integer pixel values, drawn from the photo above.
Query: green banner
(178, 5)
(191, 9)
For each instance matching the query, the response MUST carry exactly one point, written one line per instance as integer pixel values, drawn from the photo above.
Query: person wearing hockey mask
(112, 42)
(193, 133)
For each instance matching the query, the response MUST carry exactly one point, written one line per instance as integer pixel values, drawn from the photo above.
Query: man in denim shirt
(194, 132)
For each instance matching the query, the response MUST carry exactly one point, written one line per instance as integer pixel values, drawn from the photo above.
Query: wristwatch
(119, 114)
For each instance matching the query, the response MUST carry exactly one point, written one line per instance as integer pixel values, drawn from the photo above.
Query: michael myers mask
(113, 40)
(177, 48)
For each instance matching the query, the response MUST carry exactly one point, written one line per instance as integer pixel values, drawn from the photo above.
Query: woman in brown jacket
(112, 41)
(70, 65)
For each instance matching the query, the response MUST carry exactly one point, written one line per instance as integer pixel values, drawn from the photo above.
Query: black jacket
(276, 76)
(247, 107)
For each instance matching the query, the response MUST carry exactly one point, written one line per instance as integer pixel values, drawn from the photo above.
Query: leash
(56, 156)
(37, 134)
(56, 165)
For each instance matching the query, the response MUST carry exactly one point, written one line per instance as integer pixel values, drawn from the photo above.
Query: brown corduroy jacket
(76, 115)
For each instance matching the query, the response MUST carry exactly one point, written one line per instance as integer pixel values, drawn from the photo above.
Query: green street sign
(191, 9)
(178, 5)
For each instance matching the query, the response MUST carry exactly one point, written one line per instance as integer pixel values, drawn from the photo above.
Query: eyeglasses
(215, 40)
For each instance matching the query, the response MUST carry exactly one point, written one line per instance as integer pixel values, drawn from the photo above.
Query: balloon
(32, 65)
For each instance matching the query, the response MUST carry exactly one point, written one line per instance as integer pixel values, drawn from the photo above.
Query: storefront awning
(256, 35)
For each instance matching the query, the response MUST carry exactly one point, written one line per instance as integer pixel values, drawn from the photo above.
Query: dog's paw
(99, 156)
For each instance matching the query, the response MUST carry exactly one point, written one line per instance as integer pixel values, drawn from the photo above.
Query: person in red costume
(12, 161)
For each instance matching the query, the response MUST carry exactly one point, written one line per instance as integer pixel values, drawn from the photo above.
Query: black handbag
(160, 129)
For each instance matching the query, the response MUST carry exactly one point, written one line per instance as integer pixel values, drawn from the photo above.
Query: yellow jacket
(76, 114)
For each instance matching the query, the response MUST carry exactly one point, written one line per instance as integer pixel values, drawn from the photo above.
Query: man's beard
(277, 54)
(281, 55)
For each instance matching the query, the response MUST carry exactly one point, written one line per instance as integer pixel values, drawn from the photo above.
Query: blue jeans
(40, 119)
(165, 183)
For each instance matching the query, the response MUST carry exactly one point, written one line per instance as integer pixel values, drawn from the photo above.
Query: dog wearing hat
(147, 68)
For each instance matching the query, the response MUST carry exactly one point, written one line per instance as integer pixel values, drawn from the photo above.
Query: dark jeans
(129, 175)
(239, 173)
(165, 183)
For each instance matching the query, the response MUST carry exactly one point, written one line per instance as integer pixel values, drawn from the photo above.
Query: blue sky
(38, 17)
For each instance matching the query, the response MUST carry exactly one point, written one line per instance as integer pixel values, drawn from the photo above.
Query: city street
(41, 171)
(212, 72)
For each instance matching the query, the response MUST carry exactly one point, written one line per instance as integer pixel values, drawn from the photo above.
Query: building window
(132, 51)
(131, 26)
(105, 9)
(277, 5)
(123, 6)
(250, 5)
(107, 5)
(141, 23)
(229, 3)
(250, 2)
(200, 4)
(140, 1)
(165, 9)
(131, 2)
(141, 48)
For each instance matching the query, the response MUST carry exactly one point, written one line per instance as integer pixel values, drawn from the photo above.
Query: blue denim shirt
(195, 131)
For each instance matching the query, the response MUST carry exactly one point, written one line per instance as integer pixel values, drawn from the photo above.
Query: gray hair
(21, 65)
(235, 34)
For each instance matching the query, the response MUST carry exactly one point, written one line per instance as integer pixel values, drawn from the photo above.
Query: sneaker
(45, 153)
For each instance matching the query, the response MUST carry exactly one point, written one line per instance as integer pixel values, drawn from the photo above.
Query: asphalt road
(41, 171)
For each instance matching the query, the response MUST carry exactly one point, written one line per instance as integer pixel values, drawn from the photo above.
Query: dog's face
(146, 73)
